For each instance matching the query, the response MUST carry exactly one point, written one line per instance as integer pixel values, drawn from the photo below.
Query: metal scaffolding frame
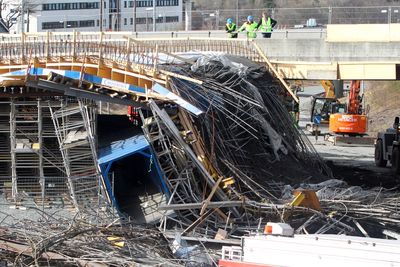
(48, 153)
(74, 125)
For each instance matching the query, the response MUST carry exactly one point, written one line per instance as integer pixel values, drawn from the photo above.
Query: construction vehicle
(353, 121)
(342, 118)
(279, 246)
(322, 107)
(387, 147)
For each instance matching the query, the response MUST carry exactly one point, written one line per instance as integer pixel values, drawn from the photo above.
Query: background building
(85, 15)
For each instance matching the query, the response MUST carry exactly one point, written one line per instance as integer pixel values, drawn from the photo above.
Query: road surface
(353, 163)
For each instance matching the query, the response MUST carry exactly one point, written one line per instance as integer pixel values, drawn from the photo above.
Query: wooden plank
(273, 70)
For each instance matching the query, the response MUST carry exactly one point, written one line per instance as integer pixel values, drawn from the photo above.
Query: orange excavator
(353, 121)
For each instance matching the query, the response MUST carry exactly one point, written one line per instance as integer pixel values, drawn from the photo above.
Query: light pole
(154, 15)
(147, 18)
(101, 16)
(188, 15)
(134, 15)
(22, 16)
(237, 12)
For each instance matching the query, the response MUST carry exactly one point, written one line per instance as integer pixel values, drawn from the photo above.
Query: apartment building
(85, 15)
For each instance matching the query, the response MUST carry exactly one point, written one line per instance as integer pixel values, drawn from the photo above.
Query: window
(68, 24)
(70, 6)
(52, 25)
(140, 20)
(131, 21)
(86, 23)
(171, 19)
(159, 20)
(125, 21)
(125, 4)
(72, 24)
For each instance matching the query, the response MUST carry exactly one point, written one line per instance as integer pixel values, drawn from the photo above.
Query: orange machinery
(353, 121)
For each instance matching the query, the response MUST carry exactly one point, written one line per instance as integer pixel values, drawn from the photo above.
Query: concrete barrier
(363, 32)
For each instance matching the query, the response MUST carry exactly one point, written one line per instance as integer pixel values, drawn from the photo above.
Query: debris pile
(226, 172)
(247, 129)
(226, 165)
(54, 240)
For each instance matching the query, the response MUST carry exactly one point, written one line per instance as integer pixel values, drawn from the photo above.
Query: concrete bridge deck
(365, 52)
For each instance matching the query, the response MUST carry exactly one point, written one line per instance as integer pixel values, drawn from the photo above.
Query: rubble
(230, 159)
(56, 240)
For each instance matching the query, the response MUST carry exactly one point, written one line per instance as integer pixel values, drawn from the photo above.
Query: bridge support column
(338, 85)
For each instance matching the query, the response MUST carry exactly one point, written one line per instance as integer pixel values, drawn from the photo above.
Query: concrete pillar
(188, 15)
(338, 84)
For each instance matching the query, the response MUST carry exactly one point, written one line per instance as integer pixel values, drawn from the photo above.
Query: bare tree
(12, 10)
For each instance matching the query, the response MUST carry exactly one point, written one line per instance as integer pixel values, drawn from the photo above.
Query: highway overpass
(365, 52)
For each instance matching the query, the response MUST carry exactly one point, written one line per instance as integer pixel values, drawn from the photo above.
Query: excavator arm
(329, 88)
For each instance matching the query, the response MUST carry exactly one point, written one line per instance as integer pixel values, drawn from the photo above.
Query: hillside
(383, 99)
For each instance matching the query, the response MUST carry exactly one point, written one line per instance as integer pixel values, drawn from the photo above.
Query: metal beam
(211, 205)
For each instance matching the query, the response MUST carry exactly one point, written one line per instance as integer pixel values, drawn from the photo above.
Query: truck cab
(387, 145)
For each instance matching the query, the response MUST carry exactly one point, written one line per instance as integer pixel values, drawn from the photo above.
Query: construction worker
(231, 28)
(266, 24)
(250, 26)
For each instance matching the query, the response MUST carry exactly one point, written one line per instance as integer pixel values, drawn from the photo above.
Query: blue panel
(122, 148)
(176, 99)
(77, 76)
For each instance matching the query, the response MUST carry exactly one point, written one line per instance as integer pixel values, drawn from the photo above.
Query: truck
(387, 147)
(278, 248)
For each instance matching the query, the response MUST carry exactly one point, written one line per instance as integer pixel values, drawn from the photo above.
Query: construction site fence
(298, 17)
(215, 19)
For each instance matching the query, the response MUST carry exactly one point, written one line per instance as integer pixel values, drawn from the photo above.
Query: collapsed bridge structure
(51, 84)
(211, 141)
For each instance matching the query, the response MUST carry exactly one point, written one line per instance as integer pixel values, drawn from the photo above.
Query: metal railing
(116, 47)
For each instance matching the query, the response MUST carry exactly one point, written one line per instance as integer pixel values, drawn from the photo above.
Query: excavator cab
(322, 108)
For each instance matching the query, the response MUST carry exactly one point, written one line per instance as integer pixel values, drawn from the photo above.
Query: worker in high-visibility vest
(265, 25)
(251, 27)
(230, 28)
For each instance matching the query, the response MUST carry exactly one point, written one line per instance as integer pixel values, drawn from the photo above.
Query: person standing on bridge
(250, 26)
(265, 25)
(231, 28)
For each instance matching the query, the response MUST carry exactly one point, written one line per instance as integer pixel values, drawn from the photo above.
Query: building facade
(116, 15)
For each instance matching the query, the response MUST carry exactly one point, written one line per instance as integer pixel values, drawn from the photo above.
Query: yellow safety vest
(251, 29)
(266, 26)
(231, 26)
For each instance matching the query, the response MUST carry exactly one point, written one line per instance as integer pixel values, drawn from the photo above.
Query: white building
(84, 15)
